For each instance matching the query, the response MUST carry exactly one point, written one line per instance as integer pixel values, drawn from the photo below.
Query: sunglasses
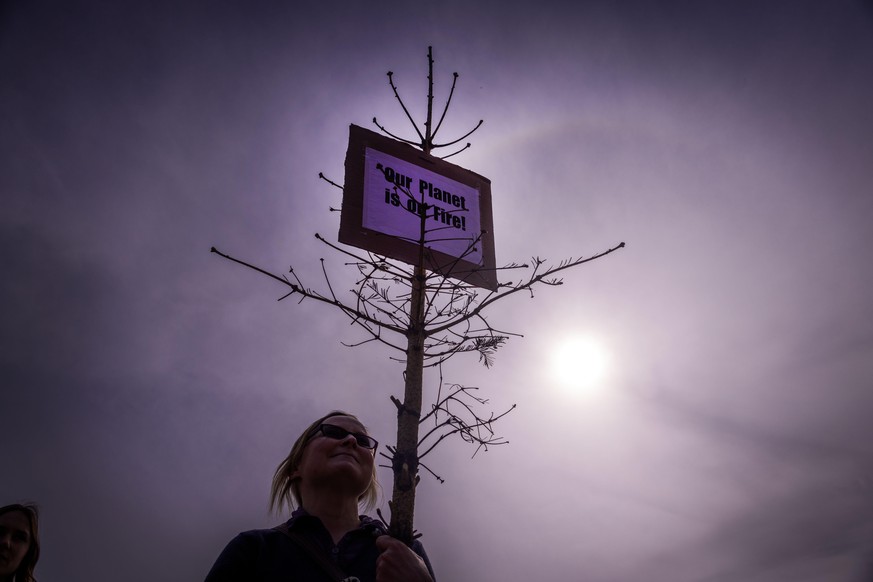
(332, 431)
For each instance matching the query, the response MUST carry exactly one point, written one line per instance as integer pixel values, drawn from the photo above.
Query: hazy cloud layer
(150, 388)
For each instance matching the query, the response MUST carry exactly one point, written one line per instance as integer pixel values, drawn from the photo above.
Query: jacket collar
(301, 516)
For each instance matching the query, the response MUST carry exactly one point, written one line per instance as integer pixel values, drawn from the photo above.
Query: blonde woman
(329, 474)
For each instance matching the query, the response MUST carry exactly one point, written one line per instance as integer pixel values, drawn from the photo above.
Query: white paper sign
(397, 194)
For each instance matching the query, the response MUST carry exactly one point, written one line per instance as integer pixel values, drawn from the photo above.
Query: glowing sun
(580, 363)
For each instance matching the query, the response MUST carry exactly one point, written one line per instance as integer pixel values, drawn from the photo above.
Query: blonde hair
(285, 489)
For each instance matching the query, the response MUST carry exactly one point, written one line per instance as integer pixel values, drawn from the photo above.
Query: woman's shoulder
(265, 532)
(250, 539)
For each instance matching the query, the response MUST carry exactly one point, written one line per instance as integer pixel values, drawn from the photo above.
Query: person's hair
(24, 572)
(286, 490)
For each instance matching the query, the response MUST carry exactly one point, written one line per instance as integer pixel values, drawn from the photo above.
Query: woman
(19, 542)
(328, 474)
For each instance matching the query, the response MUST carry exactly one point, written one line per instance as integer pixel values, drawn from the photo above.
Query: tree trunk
(405, 463)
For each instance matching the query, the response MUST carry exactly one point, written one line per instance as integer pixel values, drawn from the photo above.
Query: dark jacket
(268, 555)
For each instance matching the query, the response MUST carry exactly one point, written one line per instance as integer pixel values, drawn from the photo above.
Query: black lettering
(449, 219)
(397, 178)
(392, 198)
(417, 207)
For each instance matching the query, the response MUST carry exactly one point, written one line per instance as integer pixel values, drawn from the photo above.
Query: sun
(580, 363)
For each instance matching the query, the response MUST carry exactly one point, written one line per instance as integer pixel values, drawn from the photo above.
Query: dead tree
(437, 316)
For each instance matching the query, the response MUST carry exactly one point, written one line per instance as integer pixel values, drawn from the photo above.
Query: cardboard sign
(397, 199)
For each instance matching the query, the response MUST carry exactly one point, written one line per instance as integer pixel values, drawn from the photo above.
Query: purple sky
(150, 388)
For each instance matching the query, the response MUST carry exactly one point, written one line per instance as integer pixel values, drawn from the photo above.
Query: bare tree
(437, 316)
